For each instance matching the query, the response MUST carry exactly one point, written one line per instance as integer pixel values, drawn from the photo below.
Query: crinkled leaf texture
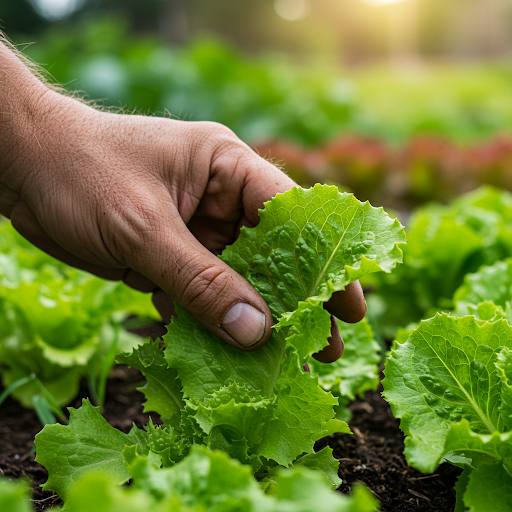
(491, 283)
(308, 244)
(444, 244)
(204, 481)
(262, 407)
(447, 371)
(86, 445)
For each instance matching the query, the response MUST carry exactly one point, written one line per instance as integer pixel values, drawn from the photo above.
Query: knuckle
(214, 129)
(203, 289)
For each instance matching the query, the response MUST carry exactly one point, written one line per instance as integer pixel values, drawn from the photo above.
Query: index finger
(263, 181)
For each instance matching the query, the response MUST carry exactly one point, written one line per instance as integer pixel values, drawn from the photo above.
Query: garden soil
(373, 454)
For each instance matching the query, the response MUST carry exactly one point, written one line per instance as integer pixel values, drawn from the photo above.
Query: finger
(166, 253)
(348, 305)
(259, 180)
(335, 349)
(138, 282)
(262, 183)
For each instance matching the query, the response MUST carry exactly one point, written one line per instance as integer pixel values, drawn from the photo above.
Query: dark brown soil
(372, 455)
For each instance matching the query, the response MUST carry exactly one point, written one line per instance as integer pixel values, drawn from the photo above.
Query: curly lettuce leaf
(324, 463)
(55, 320)
(162, 388)
(504, 368)
(444, 244)
(490, 283)
(88, 444)
(445, 372)
(204, 481)
(308, 244)
(479, 448)
(214, 482)
(262, 407)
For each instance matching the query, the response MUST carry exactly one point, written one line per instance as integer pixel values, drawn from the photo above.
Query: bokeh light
(56, 9)
(292, 10)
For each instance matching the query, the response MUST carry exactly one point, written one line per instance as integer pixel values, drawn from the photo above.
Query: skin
(145, 200)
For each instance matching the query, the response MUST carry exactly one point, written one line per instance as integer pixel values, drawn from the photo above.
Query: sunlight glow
(382, 2)
(292, 10)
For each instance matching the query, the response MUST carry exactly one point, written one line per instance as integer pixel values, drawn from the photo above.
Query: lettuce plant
(450, 383)
(260, 407)
(56, 321)
(444, 243)
(203, 482)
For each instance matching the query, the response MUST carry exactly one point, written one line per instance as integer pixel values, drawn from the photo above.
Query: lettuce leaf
(86, 445)
(445, 372)
(444, 244)
(54, 319)
(490, 283)
(203, 482)
(14, 496)
(489, 488)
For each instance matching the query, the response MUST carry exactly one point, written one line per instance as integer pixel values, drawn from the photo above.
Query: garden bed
(372, 455)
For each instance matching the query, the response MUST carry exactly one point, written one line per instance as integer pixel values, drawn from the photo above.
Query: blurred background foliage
(400, 101)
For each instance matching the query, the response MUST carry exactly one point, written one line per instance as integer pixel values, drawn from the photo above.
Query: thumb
(207, 288)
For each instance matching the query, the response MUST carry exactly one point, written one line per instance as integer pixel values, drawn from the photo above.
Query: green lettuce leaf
(260, 407)
(480, 448)
(211, 481)
(489, 488)
(308, 244)
(444, 244)
(14, 496)
(445, 372)
(504, 368)
(55, 320)
(203, 482)
(460, 489)
(88, 444)
(324, 463)
(162, 388)
(491, 283)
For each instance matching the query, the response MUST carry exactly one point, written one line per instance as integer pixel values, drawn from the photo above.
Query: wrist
(33, 120)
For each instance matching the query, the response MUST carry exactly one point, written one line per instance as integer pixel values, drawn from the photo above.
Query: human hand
(150, 201)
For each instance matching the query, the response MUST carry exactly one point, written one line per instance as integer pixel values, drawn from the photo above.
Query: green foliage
(13, 496)
(203, 482)
(450, 385)
(444, 243)
(267, 98)
(56, 321)
(260, 407)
